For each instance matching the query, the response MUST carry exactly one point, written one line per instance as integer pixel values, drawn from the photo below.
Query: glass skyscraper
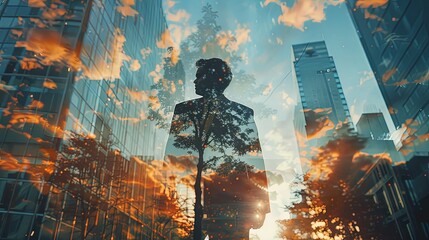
(79, 67)
(322, 104)
(395, 37)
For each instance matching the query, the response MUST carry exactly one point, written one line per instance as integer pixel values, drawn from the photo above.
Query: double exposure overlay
(186, 119)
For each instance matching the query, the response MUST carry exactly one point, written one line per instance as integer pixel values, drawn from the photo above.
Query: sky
(265, 32)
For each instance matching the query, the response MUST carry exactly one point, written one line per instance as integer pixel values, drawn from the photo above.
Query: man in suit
(222, 136)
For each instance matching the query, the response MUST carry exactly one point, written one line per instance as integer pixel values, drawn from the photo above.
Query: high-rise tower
(322, 104)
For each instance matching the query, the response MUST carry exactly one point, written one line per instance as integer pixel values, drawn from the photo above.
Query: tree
(95, 175)
(331, 206)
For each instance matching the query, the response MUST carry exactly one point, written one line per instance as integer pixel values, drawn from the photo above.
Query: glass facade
(76, 73)
(395, 38)
(318, 81)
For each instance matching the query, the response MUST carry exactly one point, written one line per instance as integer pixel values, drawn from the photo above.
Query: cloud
(138, 96)
(302, 11)
(37, 3)
(366, 76)
(49, 48)
(145, 52)
(371, 3)
(178, 27)
(165, 40)
(232, 41)
(16, 33)
(30, 64)
(423, 78)
(126, 10)
(267, 89)
(35, 104)
(388, 74)
(179, 16)
(50, 84)
(287, 100)
(53, 13)
(318, 122)
(135, 65)
(109, 69)
(368, 15)
(39, 23)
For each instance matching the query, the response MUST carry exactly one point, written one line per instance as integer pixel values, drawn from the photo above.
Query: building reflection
(77, 70)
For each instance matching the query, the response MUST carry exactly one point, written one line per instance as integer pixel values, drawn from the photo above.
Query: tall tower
(322, 103)
(395, 37)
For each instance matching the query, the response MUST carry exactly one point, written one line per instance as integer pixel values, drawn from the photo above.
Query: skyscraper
(322, 103)
(77, 66)
(395, 37)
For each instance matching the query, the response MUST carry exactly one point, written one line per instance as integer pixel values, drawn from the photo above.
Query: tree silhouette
(170, 89)
(222, 134)
(332, 205)
(204, 43)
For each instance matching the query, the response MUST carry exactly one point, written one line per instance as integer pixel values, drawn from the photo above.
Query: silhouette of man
(223, 136)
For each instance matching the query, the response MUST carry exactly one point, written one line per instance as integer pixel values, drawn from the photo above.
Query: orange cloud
(53, 13)
(145, 52)
(318, 122)
(111, 69)
(37, 3)
(371, 3)
(20, 21)
(423, 78)
(231, 42)
(388, 74)
(38, 22)
(302, 11)
(50, 84)
(138, 96)
(401, 83)
(20, 118)
(165, 40)
(368, 15)
(179, 16)
(35, 104)
(135, 65)
(393, 110)
(30, 64)
(267, 89)
(49, 48)
(126, 10)
(16, 33)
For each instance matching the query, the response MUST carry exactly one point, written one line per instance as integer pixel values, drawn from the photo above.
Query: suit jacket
(224, 133)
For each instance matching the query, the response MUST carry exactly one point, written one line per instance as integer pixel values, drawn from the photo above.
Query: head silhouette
(212, 78)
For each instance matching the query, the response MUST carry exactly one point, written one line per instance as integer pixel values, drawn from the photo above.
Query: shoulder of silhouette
(196, 105)
(240, 107)
(187, 106)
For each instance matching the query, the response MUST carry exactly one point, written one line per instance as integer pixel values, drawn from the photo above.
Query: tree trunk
(198, 208)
